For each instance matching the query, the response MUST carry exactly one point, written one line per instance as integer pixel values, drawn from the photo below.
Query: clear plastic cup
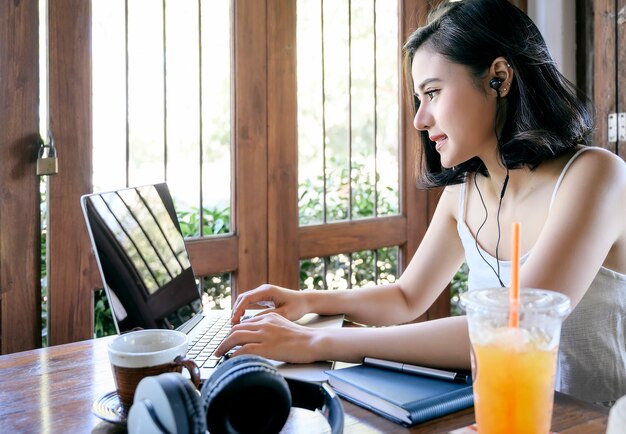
(617, 417)
(514, 367)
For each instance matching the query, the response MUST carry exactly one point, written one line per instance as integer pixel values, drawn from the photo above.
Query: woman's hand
(272, 336)
(285, 302)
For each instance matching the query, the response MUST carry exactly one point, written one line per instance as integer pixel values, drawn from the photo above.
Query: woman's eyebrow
(427, 81)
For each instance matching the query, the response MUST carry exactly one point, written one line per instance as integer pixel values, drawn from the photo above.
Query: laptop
(148, 279)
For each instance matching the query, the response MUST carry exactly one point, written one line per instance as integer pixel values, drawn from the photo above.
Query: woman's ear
(501, 69)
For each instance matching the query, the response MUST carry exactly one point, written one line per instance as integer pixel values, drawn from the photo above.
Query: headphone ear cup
(167, 403)
(142, 419)
(246, 395)
(194, 406)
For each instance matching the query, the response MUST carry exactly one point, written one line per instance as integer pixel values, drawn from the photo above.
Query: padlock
(47, 161)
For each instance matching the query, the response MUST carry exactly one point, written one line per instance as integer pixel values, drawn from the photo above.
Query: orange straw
(514, 291)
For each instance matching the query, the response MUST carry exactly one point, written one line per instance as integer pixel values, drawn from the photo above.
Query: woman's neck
(502, 180)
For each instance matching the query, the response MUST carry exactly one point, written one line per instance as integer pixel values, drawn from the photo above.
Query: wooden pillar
(70, 295)
(20, 290)
(282, 142)
(250, 143)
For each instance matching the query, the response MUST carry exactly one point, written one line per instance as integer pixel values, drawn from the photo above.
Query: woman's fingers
(236, 338)
(259, 295)
(269, 335)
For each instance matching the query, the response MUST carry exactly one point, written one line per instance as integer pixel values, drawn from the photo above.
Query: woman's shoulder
(450, 198)
(596, 160)
(595, 168)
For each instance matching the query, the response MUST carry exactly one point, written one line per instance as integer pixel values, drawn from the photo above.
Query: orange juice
(513, 383)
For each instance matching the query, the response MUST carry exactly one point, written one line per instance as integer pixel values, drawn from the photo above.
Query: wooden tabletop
(53, 389)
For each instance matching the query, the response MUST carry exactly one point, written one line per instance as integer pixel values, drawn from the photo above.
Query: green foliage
(368, 200)
(102, 315)
(357, 269)
(215, 221)
(334, 271)
(457, 287)
(43, 249)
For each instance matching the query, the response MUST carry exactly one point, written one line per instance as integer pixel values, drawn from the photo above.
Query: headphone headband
(322, 397)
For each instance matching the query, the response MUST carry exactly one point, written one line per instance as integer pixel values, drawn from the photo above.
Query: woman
(504, 132)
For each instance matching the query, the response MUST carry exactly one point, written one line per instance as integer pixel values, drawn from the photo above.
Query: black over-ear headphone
(245, 394)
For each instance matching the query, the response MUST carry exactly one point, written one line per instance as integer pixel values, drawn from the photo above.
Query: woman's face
(458, 116)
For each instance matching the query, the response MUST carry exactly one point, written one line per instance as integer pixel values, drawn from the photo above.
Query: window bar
(200, 112)
(326, 260)
(350, 113)
(324, 217)
(126, 90)
(350, 191)
(350, 265)
(375, 120)
(164, 92)
(376, 272)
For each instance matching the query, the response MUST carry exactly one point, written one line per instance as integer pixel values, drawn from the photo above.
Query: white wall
(556, 19)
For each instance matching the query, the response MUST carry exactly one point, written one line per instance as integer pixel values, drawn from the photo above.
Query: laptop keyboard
(206, 341)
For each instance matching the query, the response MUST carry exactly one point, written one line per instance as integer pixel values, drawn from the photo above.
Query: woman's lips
(439, 141)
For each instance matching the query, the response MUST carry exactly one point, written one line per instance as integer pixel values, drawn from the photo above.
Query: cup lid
(531, 300)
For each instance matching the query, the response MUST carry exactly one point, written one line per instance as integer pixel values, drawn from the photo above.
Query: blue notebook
(404, 398)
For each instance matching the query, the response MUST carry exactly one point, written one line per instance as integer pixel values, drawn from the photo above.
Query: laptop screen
(142, 258)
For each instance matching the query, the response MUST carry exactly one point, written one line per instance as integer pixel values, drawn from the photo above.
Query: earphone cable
(482, 200)
(504, 184)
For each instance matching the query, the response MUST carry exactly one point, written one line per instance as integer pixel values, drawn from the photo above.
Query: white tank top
(592, 353)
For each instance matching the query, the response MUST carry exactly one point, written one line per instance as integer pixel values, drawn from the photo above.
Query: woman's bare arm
(437, 259)
(585, 223)
(443, 342)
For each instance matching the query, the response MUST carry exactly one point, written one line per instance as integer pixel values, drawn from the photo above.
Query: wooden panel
(584, 46)
(621, 68)
(70, 296)
(604, 66)
(351, 236)
(282, 142)
(414, 202)
(250, 143)
(20, 291)
(213, 255)
(418, 205)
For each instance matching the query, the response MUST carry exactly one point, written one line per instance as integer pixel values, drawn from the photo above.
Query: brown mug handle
(192, 368)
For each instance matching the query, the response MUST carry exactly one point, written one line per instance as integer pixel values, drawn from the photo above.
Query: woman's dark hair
(544, 114)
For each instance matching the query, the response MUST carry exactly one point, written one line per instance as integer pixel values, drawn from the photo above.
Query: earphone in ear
(495, 83)
(245, 394)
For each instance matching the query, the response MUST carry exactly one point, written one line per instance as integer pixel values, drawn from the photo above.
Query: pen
(416, 370)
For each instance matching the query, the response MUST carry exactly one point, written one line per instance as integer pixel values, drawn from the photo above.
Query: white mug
(145, 353)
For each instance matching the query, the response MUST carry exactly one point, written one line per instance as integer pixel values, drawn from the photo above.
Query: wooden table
(52, 390)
